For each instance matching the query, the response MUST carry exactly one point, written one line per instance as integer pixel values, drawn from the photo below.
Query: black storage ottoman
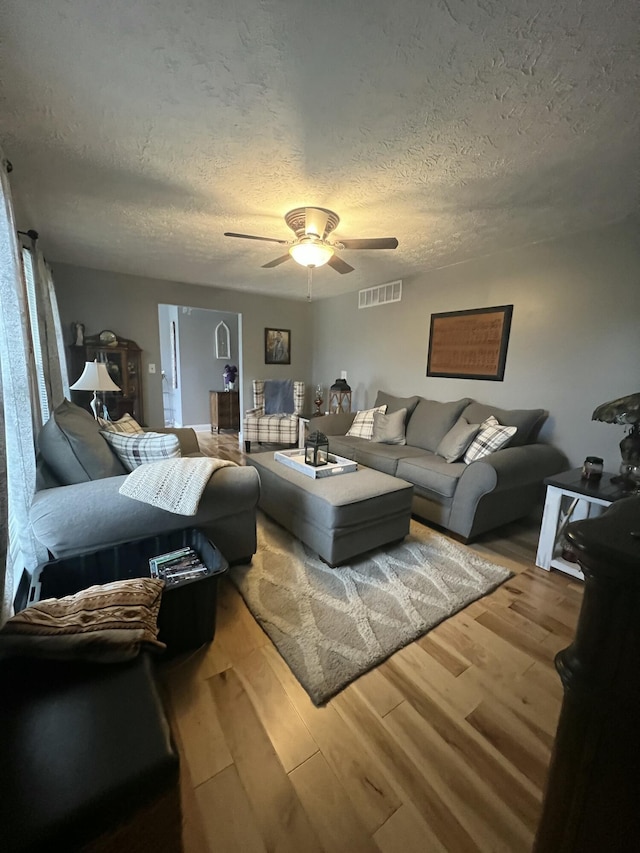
(86, 759)
(187, 617)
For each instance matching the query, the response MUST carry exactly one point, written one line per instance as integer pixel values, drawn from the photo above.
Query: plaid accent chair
(272, 429)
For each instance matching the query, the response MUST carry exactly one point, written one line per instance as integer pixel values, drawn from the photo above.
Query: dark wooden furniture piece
(225, 410)
(593, 788)
(124, 363)
(86, 759)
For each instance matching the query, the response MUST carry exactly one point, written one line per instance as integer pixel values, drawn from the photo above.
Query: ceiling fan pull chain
(309, 282)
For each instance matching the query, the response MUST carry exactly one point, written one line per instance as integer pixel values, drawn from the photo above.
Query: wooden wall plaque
(470, 344)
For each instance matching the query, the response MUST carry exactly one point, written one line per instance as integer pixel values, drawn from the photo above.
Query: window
(34, 331)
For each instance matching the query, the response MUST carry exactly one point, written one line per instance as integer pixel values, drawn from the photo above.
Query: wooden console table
(225, 410)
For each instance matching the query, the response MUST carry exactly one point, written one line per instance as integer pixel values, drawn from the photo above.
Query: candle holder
(318, 400)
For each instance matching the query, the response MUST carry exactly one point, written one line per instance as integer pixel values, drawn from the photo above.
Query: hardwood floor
(444, 747)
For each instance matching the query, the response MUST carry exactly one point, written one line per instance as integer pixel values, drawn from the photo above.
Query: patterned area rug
(333, 625)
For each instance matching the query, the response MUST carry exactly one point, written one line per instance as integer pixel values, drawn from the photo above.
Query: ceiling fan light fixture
(311, 252)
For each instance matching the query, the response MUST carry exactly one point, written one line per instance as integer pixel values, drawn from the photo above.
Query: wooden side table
(570, 498)
(225, 410)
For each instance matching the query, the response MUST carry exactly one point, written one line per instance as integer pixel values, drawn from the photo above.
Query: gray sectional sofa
(466, 499)
(77, 506)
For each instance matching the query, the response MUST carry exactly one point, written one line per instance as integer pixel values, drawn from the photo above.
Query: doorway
(195, 346)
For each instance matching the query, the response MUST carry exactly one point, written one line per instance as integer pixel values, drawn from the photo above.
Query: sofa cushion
(382, 457)
(344, 445)
(527, 421)
(431, 421)
(71, 445)
(457, 440)
(136, 450)
(389, 429)
(490, 437)
(431, 473)
(385, 457)
(394, 404)
(362, 426)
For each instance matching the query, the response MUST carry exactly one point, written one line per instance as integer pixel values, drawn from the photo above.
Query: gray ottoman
(340, 516)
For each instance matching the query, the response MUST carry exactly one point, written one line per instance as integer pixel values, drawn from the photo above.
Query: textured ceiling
(141, 130)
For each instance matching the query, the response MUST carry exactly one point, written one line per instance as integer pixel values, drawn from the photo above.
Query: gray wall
(129, 305)
(575, 334)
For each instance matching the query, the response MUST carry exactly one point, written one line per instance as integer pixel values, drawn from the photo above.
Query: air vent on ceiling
(380, 295)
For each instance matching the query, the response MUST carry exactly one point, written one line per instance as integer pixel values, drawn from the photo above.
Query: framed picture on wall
(470, 344)
(277, 346)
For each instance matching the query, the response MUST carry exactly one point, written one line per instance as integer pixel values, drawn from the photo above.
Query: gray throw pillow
(389, 429)
(456, 441)
(71, 445)
(527, 421)
(431, 421)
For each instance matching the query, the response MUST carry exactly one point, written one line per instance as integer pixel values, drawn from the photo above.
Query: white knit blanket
(172, 484)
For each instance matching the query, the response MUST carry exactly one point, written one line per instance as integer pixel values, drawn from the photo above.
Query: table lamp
(95, 377)
(625, 411)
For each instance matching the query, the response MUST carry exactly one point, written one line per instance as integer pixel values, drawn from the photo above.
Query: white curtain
(15, 367)
(5, 600)
(48, 327)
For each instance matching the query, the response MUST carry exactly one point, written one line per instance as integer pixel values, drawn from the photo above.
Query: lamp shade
(311, 252)
(95, 377)
(624, 410)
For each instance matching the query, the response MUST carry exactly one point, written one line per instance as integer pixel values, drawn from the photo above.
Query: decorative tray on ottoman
(336, 464)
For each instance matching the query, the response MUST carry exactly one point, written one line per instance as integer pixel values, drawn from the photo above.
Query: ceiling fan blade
(251, 237)
(315, 221)
(339, 265)
(276, 262)
(374, 243)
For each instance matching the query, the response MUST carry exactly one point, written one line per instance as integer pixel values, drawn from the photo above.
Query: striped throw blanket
(173, 484)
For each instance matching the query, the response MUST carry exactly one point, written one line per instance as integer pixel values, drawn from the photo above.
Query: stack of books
(178, 566)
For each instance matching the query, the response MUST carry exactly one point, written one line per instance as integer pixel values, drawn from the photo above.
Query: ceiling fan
(311, 247)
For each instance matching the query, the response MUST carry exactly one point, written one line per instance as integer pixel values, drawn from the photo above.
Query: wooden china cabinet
(123, 359)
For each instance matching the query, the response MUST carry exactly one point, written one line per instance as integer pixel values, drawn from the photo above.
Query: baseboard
(199, 427)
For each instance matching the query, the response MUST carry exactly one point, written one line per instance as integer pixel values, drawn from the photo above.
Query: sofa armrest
(257, 412)
(90, 516)
(514, 469)
(336, 424)
(517, 466)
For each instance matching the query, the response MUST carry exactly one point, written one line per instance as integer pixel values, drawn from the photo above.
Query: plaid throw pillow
(362, 426)
(490, 438)
(126, 424)
(135, 450)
